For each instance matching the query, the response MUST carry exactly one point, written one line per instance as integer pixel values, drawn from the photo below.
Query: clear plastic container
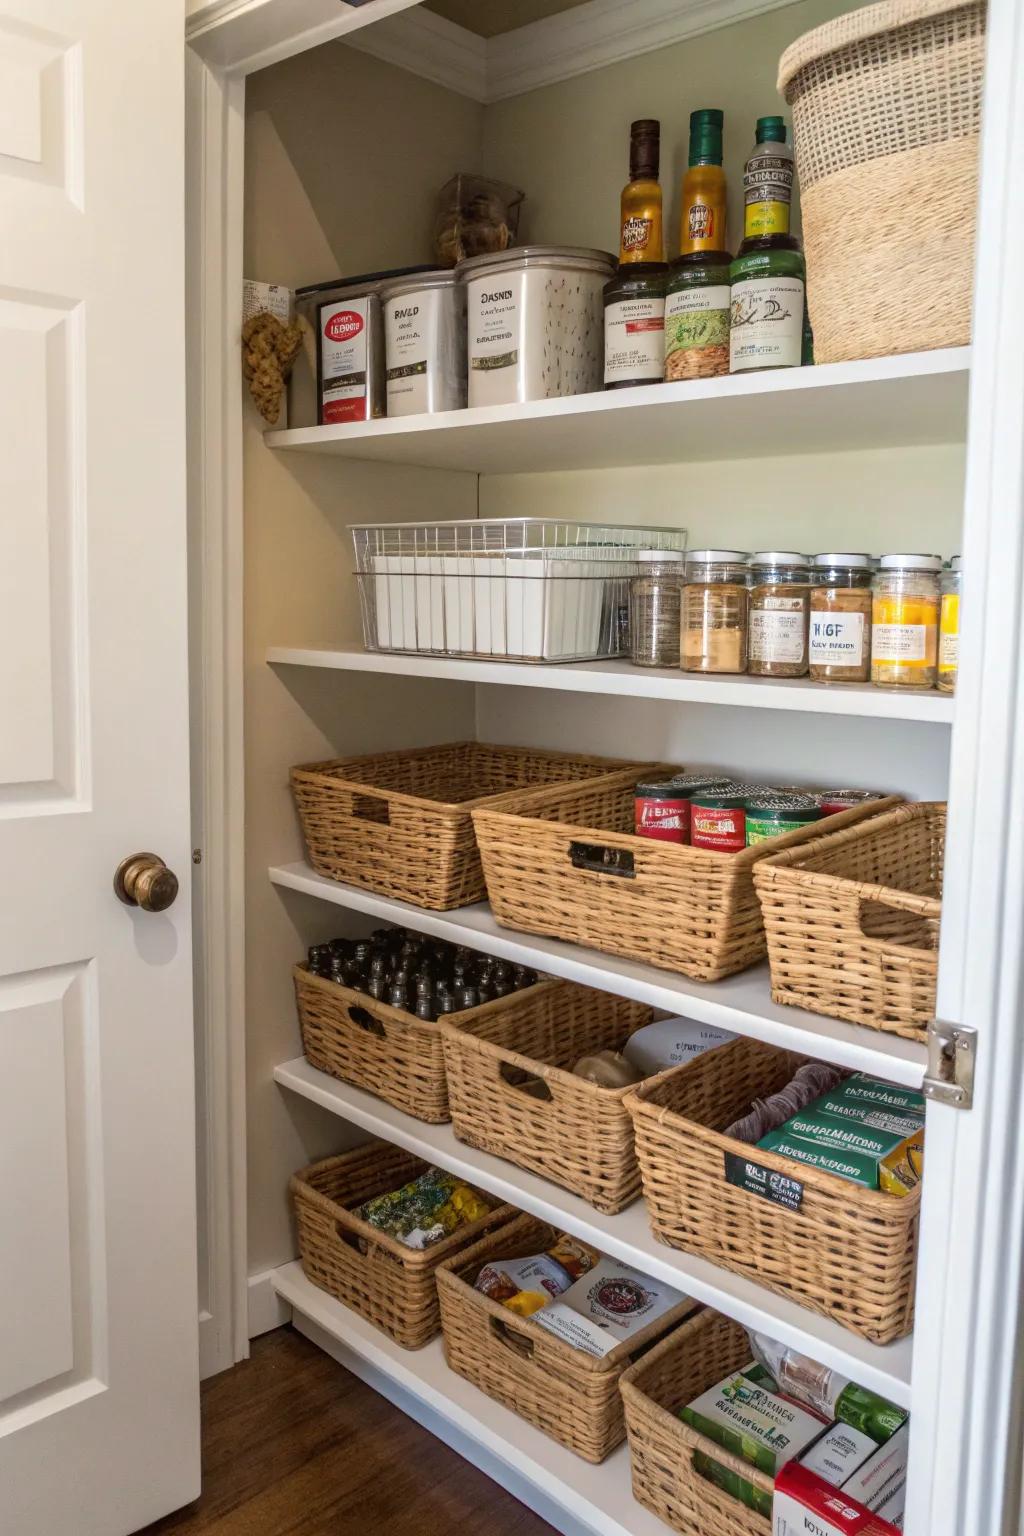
(840, 630)
(655, 603)
(475, 216)
(715, 611)
(949, 627)
(905, 621)
(780, 600)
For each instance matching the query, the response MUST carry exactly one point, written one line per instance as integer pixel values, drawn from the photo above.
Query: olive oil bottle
(634, 299)
(768, 276)
(697, 292)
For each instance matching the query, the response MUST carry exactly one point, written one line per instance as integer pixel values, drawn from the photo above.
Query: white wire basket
(512, 589)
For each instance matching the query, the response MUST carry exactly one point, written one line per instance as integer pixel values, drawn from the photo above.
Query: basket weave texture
(392, 1286)
(693, 1358)
(399, 823)
(684, 909)
(386, 1050)
(848, 1252)
(513, 1092)
(886, 118)
(570, 1395)
(852, 920)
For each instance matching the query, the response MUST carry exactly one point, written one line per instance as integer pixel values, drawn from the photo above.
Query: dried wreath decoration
(268, 351)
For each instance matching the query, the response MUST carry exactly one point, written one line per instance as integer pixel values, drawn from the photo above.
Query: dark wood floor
(293, 1445)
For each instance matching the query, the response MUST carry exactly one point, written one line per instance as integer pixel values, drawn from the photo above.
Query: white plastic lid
(778, 557)
(954, 564)
(659, 556)
(716, 557)
(861, 562)
(911, 563)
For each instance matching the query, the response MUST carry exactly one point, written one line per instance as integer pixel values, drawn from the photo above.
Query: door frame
(969, 1380)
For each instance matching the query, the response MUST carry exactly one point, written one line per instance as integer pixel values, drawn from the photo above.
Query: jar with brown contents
(715, 608)
(780, 590)
(840, 640)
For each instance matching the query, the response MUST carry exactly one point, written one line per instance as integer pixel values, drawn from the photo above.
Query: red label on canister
(666, 820)
(723, 828)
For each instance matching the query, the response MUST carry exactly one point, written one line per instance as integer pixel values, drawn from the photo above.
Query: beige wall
(308, 216)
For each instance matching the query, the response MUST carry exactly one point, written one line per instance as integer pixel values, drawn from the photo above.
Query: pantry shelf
(576, 1498)
(888, 402)
(611, 678)
(626, 1236)
(741, 1003)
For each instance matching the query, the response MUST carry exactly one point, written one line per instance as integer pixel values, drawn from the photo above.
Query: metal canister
(834, 800)
(718, 819)
(770, 815)
(662, 812)
(425, 343)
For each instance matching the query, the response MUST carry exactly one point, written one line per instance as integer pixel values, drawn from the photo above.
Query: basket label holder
(744, 1173)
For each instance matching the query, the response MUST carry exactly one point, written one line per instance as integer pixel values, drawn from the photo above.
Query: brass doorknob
(143, 880)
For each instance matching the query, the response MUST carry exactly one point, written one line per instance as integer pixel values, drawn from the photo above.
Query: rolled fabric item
(808, 1083)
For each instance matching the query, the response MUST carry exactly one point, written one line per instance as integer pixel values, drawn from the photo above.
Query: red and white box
(805, 1505)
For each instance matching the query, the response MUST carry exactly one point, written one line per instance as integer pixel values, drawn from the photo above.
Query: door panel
(98, 1314)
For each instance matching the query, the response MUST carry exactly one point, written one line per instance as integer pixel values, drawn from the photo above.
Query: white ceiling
(490, 18)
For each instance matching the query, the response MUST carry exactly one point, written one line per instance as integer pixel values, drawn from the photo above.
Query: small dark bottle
(634, 299)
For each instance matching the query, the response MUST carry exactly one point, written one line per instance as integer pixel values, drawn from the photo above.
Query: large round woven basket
(886, 108)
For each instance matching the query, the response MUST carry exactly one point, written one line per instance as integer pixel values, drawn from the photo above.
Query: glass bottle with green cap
(767, 315)
(697, 295)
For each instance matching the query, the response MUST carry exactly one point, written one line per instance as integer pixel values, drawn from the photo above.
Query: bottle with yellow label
(768, 182)
(949, 627)
(905, 621)
(702, 223)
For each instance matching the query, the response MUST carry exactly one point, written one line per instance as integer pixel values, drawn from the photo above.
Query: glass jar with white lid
(905, 621)
(713, 635)
(780, 592)
(840, 627)
(655, 602)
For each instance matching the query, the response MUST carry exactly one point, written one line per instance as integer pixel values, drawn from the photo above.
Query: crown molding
(429, 46)
(603, 32)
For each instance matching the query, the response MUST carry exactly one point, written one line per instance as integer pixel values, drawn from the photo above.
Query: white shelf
(575, 1497)
(626, 1236)
(612, 678)
(741, 1003)
(915, 399)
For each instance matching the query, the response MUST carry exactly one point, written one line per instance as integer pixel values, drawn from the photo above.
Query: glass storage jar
(840, 634)
(949, 627)
(905, 621)
(713, 635)
(780, 593)
(655, 601)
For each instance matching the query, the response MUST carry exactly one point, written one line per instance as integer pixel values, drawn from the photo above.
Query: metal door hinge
(951, 1055)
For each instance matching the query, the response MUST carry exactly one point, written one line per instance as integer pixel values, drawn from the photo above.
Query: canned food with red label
(718, 821)
(833, 801)
(662, 812)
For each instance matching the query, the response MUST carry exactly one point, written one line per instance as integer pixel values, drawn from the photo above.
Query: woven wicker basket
(392, 1286)
(848, 1252)
(852, 920)
(548, 864)
(513, 1092)
(886, 113)
(693, 1358)
(385, 1050)
(570, 1395)
(399, 823)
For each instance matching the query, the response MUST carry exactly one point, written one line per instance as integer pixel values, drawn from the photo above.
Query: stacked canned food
(711, 810)
(835, 618)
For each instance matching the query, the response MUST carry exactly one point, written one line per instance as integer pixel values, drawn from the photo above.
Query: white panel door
(98, 1319)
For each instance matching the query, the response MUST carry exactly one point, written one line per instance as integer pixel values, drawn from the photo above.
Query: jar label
(666, 820)
(759, 831)
(723, 829)
(634, 340)
(697, 332)
(776, 636)
(837, 639)
(949, 633)
(343, 330)
(767, 323)
(494, 325)
(767, 194)
(411, 335)
(913, 643)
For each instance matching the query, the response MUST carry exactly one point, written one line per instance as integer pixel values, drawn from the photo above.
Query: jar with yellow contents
(905, 621)
(949, 627)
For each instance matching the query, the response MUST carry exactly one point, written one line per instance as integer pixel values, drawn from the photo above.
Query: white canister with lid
(535, 323)
(425, 343)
